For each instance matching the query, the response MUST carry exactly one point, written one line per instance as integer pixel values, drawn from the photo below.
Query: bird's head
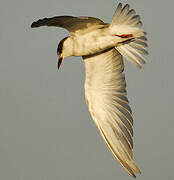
(63, 50)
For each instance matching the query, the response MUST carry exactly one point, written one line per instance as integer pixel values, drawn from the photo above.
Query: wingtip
(33, 25)
(133, 175)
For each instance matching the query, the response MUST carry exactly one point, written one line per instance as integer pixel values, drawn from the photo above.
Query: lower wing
(105, 91)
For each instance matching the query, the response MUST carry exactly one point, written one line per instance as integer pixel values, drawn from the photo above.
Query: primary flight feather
(103, 47)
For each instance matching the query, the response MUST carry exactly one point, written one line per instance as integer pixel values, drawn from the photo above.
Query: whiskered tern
(103, 47)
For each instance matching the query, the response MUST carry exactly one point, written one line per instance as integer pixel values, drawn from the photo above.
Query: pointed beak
(59, 61)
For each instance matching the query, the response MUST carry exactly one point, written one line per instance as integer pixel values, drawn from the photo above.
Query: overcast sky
(46, 132)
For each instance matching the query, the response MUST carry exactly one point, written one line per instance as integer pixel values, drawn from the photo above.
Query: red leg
(124, 35)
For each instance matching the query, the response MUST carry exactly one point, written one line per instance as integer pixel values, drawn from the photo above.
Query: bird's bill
(59, 61)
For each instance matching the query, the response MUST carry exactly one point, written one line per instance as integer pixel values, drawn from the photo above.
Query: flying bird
(102, 47)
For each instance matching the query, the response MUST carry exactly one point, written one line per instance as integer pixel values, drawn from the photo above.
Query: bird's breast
(93, 42)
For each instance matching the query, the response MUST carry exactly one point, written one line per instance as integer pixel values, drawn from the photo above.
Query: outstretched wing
(105, 91)
(71, 23)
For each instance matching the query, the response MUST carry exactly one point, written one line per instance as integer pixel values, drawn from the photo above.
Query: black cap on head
(59, 52)
(60, 46)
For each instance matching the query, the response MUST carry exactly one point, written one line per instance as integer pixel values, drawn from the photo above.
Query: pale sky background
(46, 132)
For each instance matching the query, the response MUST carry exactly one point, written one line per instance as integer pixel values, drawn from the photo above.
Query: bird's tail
(126, 23)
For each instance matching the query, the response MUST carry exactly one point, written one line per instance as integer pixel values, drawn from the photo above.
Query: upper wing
(105, 91)
(71, 23)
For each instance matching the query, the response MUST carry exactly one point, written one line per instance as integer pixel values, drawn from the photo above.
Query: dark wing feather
(71, 23)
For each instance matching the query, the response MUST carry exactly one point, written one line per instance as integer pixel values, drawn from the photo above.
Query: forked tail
(133, 47)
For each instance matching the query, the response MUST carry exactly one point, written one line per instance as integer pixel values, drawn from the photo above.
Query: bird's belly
(92, 43)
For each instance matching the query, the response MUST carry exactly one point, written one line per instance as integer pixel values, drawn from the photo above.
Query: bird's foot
(124, 35)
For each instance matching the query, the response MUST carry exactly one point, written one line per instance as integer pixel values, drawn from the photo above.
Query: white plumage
(103, 47)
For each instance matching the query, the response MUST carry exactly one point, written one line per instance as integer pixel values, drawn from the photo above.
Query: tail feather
(134, 20)
(117, 13)
(124, 16)
(126, 21)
